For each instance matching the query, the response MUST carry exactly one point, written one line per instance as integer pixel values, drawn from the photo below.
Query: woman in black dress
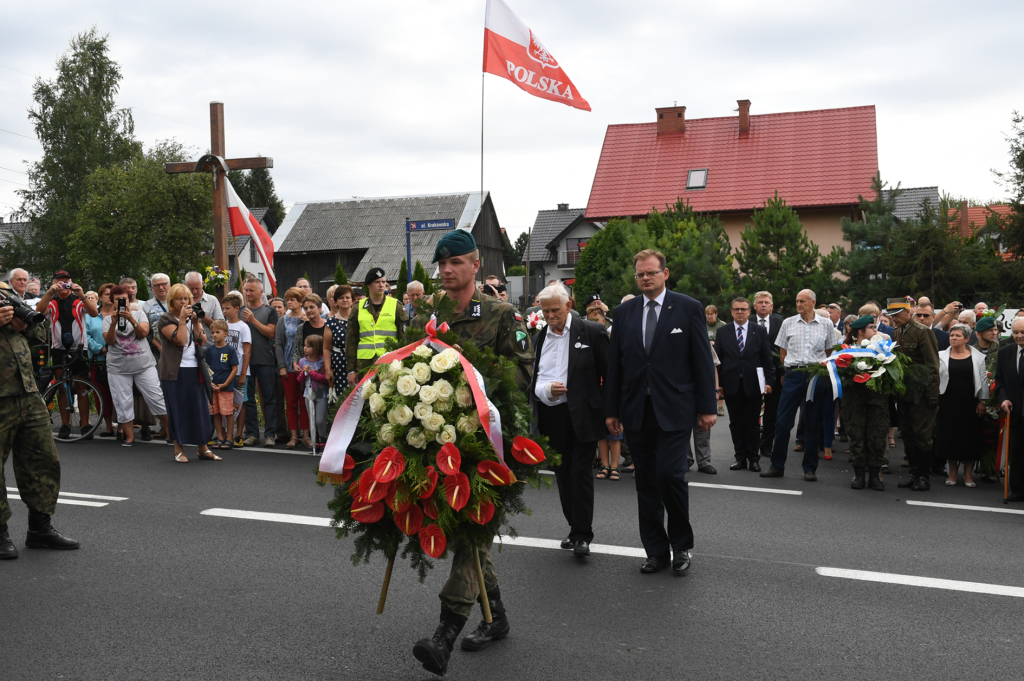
(963, 387)
(334, 339)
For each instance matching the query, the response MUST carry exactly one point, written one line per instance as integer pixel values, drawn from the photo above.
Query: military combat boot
(486, 634)
(434, 652)
(41, 534)
(7, 550)
(874, 481)
(858, 478)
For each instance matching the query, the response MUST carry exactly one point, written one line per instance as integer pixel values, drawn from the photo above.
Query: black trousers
(744, 411)
(1016, 454)
(771, 411)
(574, 475)
(659, 462)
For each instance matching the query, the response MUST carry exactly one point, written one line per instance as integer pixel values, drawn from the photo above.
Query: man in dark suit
(1010, 393)
(661, 383)
(925, 314)
(743, 349)
(771, 323)
(569, 370)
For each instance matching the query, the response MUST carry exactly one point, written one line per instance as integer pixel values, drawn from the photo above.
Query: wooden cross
(215, 163)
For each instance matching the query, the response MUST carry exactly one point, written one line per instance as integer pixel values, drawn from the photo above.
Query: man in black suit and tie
(569, 370)
(744, 350)
(771, 323)
(1010, 393)
(661, 383)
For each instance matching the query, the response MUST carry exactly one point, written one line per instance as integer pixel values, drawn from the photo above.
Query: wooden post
(220, 201)
(1006, 462)
(484, 601)
(387, 583)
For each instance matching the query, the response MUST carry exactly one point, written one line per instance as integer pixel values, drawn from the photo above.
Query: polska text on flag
(512, 51)
(243, 223)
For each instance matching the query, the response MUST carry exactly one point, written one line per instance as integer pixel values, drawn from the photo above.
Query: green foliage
(80, 130)
(339, 274)
(419, 274)
(403, 279)
(516, 271)
(136, 219)
(1013, 182)
(508, 252)
(868, 264)
(256, 190)
(604, 263)
(522, 241)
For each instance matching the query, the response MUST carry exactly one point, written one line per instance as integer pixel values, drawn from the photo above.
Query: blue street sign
(421, 225)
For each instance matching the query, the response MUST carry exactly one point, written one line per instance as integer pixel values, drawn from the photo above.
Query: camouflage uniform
(866, 418)
(486, 322)
(917, 412)
(25, 426)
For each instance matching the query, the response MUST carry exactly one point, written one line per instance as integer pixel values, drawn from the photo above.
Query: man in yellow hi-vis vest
(373, 321)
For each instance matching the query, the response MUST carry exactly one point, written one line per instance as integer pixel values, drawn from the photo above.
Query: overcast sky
(383, 98)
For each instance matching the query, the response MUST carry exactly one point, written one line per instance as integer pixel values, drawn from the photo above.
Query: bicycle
(64, 397)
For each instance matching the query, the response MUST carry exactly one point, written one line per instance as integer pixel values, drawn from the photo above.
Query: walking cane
(311, 412)
(1006, 462)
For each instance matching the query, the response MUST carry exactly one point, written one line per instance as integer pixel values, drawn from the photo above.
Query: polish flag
(513, 51)
(244, 224)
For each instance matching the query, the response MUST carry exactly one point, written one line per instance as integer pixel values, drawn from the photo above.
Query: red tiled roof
(813, 158)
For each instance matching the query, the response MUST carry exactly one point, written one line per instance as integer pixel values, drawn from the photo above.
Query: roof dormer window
(697, 179)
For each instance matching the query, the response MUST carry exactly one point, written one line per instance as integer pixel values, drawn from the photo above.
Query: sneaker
(238, 443)
(721, 410)
(269, 442)
(251, 441)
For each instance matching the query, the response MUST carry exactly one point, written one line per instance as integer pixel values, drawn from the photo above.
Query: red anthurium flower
(449, 459)
(389, 465)
(862, 378)
(431, 483)
(527, 451)
(410, 520)
(456, 490)
(396, 491)
(430, 508)
(432, 540)
(367, 512)
(494, 473)
(844, 361)
(369, 489)
(482, 513)
(346, 468)
(353, 490)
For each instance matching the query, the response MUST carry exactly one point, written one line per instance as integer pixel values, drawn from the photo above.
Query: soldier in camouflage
(25, 431)
(866, 417)
(485, 322)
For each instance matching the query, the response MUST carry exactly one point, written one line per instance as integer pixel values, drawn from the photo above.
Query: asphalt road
(161, 591)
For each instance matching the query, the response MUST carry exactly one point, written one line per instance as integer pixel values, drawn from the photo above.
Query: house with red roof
(818, 161)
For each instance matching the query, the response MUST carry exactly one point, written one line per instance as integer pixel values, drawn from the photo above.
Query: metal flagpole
(482, 138)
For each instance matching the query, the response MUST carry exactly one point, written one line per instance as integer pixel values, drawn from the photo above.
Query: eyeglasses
(741, 309)
(922, 315)
(648, 275)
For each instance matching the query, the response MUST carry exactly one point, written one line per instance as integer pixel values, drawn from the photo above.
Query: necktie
(652, 322)
(739, 337)
(1020, 363)
(763, 325)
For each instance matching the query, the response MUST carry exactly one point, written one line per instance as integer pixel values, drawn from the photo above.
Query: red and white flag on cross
(513, 51)
(243, 223)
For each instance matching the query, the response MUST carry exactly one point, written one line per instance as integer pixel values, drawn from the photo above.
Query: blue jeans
(267, 378)
(794, 391)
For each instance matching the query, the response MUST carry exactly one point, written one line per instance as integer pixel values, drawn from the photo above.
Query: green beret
(861, 322)
(984, 324)
(455, 242)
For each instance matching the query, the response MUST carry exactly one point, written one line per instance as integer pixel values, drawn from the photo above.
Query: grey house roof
(549, 224)
(376, 225)
(908, 204)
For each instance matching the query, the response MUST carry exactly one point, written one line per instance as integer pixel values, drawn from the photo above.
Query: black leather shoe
(434, 652)
(145, 434)
(739, 466)
(874, 481)
(567, 544)
(908, 483)
(680, 562)
(923, 484)
(582, 549)
(656, 564)
(41, 534)
(754, 467)
(707, 468)
(810, 476)
(7, 550)
(1015, 497)
(858, 478)
(772, 473)
(486, 634)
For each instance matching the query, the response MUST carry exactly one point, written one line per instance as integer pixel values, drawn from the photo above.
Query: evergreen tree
(603, 264)
(868, 265)
(1013, 182)
(698, 255)
(339, 274)
(403, 279)
(520, 248)
(508, 253)
(80, 130)
(419, 274)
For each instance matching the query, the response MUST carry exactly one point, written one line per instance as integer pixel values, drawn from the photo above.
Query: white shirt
(767, 325)
(553, 365)
(659, 302)
(806, 342)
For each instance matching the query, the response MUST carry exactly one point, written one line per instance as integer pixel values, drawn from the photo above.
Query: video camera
(21, 311)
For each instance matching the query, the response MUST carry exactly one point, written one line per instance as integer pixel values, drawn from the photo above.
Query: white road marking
(965, 507)
(607, 549)
(928, 582)
(271, 517)
(269, 450)
(79, 502)
(741, 488)
(81, 496)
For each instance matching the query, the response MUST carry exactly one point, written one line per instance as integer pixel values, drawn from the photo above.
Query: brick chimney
(744, 105)
(671, 119)
(563, 206)
(965, 223)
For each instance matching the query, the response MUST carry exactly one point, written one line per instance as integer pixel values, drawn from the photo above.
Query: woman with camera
(188, 409)
(130, 363)
(98, 352)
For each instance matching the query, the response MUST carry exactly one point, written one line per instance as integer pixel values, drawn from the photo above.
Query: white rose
(864, 343)
(451, 358)
(387, 433)
(422, 410)
(423, 351)
(443, 406)
(416, 438)
(468, 423)
(464, 396)
(387, 388)
(437, 363)
(434, 422)
(444, 389)
(377, 405)
(407, 386)
(446, 435)
(369, 388)
(421, 372)
(400, 416)
(428, 394)
(395, 368)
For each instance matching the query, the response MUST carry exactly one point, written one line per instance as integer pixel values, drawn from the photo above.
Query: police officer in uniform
(25, 431)
(917, 412)
(486, 322)
(374, 320)
(866, 417)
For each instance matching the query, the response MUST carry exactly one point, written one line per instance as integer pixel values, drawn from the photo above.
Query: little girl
(315, 384)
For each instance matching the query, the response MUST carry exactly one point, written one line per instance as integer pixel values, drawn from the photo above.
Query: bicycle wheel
(77, 400)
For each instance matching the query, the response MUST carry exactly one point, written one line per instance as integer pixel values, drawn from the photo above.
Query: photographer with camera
(66, 306)
(206, 307)
(25, 430)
